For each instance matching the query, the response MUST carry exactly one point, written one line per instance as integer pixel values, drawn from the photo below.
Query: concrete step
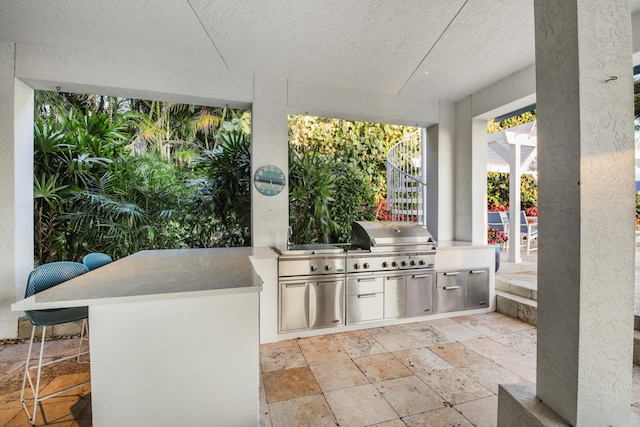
(519, 307)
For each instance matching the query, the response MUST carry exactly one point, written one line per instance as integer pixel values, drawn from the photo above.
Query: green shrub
(355, 200)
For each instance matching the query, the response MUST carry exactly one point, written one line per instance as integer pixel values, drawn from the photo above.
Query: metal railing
(406, 184)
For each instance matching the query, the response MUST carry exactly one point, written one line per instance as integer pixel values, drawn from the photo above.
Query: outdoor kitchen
(391, 272)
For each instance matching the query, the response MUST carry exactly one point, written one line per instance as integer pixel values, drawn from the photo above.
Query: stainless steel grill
(390, 271)
(386, 246)
(386, 272)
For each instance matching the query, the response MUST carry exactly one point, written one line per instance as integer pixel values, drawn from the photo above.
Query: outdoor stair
(517, 300)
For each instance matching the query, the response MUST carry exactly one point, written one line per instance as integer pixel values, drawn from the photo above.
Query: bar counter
(174, 336)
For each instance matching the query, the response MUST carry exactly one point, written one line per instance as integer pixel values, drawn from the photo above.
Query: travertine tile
(359, 406)
(278, 344)
(359, 343)
(393, 423)
(395, 341)
(489, 375)
(481, 412)
(337, 375)
(445, 417)
(409, 395)
(524, 342)
(421, 360)
(282, 358)
(304, 411)
(483, 327)
(289, 384)
(520, 365)
(454, 386)
(458, 332)
(265, 417)
(511, 324)
(441, 322)
(380, 367)
(457, 354)
(490, 348)
(384, 330)
(323, 351)
(425, 334)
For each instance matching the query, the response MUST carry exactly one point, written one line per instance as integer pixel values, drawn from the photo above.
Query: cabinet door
(420, 294)
(395, 296)
(450, 291)
(294, 308)
(326, 303)
(477, 289)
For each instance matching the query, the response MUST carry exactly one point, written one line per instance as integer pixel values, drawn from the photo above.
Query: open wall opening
(119, 175)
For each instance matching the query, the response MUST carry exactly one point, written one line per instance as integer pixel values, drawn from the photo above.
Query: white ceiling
(435, 49)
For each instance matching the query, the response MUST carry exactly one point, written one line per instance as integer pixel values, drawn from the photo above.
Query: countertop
(454, 244)
(157, 274)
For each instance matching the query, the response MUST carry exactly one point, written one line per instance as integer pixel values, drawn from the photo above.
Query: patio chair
(96, 260)
(40, 279)
(500, 222)
(528, 232)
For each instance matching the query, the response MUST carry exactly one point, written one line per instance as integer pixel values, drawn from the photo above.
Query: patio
(438, 372)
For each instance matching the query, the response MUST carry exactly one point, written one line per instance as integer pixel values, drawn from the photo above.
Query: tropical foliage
(363, 145)
(119, 175)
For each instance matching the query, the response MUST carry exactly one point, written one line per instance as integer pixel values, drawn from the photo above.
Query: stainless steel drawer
(365, 307)
(450, 291)
(365, 285)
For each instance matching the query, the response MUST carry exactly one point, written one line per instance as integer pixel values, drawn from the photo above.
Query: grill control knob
(356, 266)
(421, 262)
(314, 268)
(366, 265)
(412, 262)
(393, 264)
(385, 264)
(327, 267)
(403, 263)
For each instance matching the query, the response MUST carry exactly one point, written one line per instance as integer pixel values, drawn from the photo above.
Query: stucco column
(16, 189)
(440, 160)
(586, 222)
(270, 141)
(470, 174)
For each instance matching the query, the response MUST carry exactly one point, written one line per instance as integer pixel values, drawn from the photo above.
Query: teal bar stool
(96, 260)
(40, 279)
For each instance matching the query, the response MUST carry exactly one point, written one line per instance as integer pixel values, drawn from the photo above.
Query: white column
(470, 175)
(586, 222)
(16, 189)
(515, 173)
(270, 141)
(441, 174)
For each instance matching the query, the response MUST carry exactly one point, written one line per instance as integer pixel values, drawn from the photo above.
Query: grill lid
(387, 235)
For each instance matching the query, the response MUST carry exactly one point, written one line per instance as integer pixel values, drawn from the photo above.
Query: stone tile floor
(441, 372)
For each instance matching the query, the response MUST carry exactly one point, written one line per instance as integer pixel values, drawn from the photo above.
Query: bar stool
(40, 279)
(96, 260)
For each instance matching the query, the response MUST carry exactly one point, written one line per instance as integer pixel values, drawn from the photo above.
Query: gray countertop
(156, 274)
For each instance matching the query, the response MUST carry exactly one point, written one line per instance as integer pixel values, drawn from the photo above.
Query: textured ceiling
(411, 48)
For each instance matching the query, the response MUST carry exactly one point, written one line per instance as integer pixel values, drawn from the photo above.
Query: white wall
(16, 189)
